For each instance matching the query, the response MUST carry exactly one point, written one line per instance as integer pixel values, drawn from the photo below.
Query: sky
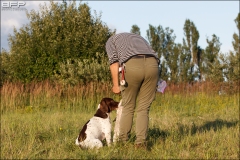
(209, 17)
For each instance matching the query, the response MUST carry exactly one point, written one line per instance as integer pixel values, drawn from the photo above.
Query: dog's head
(106, 106)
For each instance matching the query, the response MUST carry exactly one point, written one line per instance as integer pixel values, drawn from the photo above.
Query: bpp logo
(11, 4)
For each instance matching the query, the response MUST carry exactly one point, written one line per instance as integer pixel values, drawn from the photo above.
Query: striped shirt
(121, 47)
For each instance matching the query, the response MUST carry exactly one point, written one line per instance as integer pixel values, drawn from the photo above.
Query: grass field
(182, 126)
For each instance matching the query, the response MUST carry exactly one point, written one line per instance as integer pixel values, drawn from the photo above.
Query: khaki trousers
(141, 74)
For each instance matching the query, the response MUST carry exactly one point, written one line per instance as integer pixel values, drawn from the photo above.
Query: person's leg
(133, 76)
(146, 96)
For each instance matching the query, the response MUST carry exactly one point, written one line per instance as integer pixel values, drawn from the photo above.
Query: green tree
(56, 33)
(192, 36)
(174, 63)
(83, 71)
(211, 64)
(162, 41)
(233, 72)
(135, 29)
(156, 38)
(236, 40)
(200, 53)
(170, 52)
(184, 63)
(5, 67)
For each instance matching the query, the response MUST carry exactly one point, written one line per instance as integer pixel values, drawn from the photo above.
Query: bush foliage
(56, 33)
(64, 42)
(83, 71)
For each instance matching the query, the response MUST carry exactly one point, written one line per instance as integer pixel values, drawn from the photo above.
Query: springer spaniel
(98, 127)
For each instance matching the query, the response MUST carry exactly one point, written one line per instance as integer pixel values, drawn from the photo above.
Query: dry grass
(54, 95)
(48, 95)
(42, 120)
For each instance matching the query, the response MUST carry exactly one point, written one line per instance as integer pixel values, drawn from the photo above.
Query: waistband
(143, 56)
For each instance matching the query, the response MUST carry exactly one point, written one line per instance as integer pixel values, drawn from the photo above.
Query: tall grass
(42, 120)
(48, 94)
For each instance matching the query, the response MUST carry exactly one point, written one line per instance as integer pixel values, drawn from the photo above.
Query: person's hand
(116, 89)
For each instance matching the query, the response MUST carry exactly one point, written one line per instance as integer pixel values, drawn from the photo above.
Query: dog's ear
(113, 105)
(104, 105)
(108, 105)
(101, 114)
(102, 110)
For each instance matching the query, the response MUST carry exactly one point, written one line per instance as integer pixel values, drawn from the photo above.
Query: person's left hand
(116, 89)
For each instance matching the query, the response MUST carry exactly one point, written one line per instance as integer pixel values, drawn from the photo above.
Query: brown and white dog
(98, 127)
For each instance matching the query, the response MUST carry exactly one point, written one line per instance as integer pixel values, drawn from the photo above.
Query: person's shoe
(141, 146)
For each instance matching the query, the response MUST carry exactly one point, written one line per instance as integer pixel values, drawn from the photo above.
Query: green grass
(197, 126)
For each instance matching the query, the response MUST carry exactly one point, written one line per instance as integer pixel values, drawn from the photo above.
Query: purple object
(161, 85)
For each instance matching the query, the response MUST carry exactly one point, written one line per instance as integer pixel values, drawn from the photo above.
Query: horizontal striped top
(121, 47)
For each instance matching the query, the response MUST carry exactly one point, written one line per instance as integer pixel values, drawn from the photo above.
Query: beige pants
(141, 75)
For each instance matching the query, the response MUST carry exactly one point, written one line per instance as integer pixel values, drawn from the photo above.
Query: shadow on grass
(155, 134)
(215, 125)
(218, 124)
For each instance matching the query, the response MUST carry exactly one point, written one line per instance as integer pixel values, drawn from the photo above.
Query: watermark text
(13, 6)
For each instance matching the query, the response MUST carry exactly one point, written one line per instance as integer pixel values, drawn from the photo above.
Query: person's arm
(114, 68)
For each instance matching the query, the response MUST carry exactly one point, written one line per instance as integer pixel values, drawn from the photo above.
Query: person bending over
(141, 72)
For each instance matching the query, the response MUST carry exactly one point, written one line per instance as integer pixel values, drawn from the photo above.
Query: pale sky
(209, 17)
